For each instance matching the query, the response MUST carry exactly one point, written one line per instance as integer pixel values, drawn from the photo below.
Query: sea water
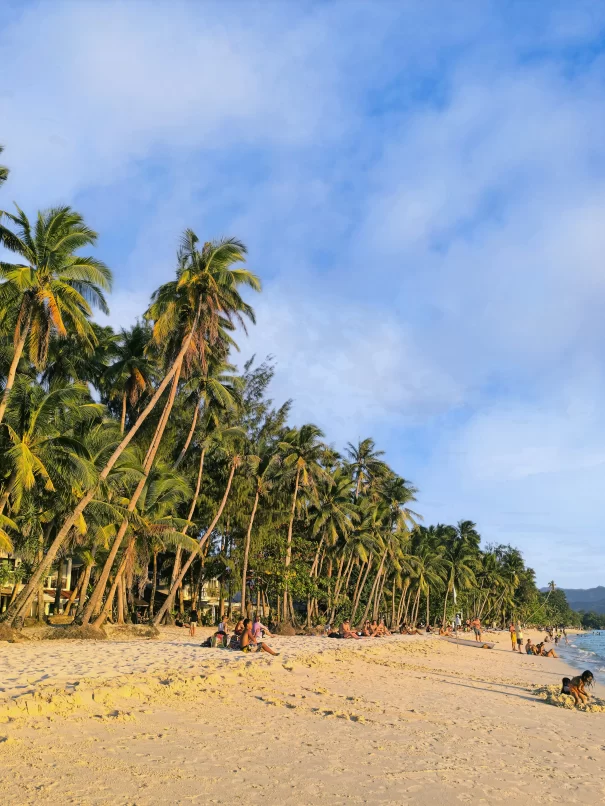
(585, 651)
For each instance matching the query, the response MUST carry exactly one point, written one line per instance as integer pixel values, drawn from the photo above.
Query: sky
(421, 187)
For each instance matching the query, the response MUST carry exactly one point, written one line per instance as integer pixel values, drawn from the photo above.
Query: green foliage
(210, 468)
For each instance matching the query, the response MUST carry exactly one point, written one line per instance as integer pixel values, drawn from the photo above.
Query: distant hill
(589, 599)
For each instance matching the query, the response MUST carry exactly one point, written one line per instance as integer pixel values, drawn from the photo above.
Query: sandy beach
(390, 721)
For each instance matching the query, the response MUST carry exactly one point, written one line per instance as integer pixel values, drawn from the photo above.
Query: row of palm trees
(150, 457)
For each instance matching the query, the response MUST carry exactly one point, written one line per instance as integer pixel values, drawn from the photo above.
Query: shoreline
(402, 719)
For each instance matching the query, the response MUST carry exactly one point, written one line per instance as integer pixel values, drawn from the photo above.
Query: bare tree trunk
(95, 599)
(120, 595)
(176, 568)
(447, 590)
(377, 600)
(335, 592)
(359, 588)
(123, 418)
(190, 434)
(170, 598)
(373, 591)
(82, 600)
(289, 546)
(10, 378)
(247, 550)
(154, 583)
(112, 591)
(73, 595)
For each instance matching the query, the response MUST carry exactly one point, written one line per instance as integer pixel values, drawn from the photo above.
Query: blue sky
(421, 188)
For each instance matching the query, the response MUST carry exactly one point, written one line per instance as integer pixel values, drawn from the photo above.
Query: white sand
(400, 720)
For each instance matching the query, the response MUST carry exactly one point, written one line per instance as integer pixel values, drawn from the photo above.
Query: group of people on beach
(245, 636)
(516, 639)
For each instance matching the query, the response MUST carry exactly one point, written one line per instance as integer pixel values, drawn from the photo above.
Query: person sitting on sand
(259, 630)
(224, 626)
(346, 631)
(366, 629)
(237, 632)
(577, 686)
(382, 628)
(248, 643)
(529, 647)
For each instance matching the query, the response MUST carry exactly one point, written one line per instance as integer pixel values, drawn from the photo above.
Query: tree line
(148, 455)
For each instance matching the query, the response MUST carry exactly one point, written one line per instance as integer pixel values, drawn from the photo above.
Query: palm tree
(460, 555)
(42, 449)
(365, 463)
(135, 369)
(302, 452)
(188, 313)
(214, 391)
(53, 291)
(262, 466)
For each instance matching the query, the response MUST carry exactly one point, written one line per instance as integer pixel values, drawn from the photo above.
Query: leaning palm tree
(187, 313)
(302, 452)
(53, 290)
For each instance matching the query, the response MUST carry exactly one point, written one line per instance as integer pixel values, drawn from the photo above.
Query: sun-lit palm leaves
(133, 370)
(53, 290)
(204, 300)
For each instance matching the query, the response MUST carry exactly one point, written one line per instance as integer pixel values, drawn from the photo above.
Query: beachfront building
(57, 587)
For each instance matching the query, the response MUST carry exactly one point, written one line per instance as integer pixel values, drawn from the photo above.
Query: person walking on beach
(476, 625)
(519, 633)
(193, 619)
(513, 637)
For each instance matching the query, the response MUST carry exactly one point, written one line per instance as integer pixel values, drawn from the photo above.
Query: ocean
(585, 651)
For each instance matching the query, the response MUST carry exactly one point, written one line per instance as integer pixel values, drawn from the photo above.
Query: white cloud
(346, 365)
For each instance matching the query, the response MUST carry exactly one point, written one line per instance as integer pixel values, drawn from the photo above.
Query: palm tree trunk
(123, 418)
(154, 584)
(7, 491)
(116, 582)
(336, 589)
(316, 560)
(85, 582)
(170, 598)
(373, 591)
(10, 378)
(247, 551)
(97, 595)
(120, 595)
(349, 571)
(447, 590)
(73, 595)
(20, 604)
(289, 545)
(359, 587)
(176, 568)
(403, 600)
(377, 600)
(189, 435)
(428, 591)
